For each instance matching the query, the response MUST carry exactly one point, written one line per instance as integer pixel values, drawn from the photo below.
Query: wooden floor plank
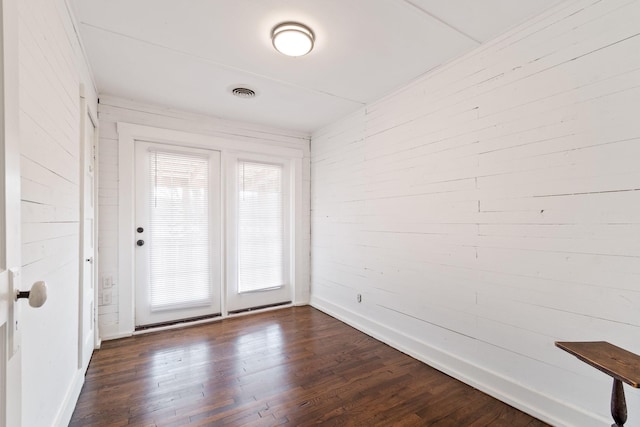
(290, 367)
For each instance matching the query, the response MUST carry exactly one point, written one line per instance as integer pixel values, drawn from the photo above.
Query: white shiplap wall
(112, 110)
(493, 207)
(52, 69)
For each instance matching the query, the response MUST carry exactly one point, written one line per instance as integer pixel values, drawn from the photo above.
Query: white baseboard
(541, 406)
(112, 331)
(115, 336)
(70, 400)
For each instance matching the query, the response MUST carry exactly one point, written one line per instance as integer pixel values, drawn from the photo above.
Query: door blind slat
(179, 252)
(260, 226)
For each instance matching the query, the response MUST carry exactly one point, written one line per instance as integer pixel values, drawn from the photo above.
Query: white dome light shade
(292, 39)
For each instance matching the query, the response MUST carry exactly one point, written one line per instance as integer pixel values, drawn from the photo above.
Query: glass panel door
(177, 233)
(258, 269)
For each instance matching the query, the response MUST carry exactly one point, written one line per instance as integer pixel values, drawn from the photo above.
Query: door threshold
(260, 308)
(176, 324)
(157, 327)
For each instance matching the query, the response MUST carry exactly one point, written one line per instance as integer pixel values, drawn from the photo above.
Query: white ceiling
(188, 54)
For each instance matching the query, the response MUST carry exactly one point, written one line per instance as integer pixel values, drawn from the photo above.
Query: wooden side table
(616, 362)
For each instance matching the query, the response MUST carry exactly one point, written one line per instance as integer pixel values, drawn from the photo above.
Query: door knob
(89, 260)
(37, 295)
(140, 242)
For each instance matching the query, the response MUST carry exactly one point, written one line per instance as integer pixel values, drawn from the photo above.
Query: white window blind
(260, 226)
(179, 231)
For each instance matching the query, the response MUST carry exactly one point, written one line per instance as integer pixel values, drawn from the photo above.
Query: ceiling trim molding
(442, 21)
(76, 32)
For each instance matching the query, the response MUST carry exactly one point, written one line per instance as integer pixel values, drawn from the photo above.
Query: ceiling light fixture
(292, 38)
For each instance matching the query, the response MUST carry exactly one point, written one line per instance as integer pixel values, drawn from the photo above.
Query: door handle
(140, 242)
(37, 296)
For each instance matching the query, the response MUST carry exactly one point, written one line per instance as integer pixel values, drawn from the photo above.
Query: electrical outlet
(359, 298)
(107, 282)
(106, 298)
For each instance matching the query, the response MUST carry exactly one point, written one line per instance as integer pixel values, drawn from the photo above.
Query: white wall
(114, 304)
(52, 68)
(492, 207)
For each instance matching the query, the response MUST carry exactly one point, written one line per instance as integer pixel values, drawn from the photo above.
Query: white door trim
(86, 116)
(127, 135)
(128, 132)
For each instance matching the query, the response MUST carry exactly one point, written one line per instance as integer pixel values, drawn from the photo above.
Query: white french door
(177, 233)
(258, 232)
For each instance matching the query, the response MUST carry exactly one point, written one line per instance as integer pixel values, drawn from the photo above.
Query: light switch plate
(14, 313)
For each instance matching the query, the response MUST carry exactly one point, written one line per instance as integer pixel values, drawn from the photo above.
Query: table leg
(618, 404)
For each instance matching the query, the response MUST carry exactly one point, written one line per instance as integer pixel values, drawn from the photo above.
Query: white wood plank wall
(493, 207)
(112, 110)
(52, 68)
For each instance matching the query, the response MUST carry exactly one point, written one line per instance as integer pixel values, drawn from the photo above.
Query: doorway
(182, 239)
(87, 324)
(230, 160)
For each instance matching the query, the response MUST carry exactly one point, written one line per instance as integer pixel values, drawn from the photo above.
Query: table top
(614, 361)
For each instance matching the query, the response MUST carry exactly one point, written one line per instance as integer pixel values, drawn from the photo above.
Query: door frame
(86, 113)
(128, 133)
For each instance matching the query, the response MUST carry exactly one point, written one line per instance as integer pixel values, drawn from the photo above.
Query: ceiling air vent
(243, 92)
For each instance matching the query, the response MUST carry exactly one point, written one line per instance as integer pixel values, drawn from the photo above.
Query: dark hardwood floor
(291, 367)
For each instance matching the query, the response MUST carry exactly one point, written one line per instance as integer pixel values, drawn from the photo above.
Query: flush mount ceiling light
(292, 38)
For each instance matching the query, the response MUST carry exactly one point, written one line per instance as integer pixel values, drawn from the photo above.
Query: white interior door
(10, 360)
(88, 238)
(259, 232)
(177, 233)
